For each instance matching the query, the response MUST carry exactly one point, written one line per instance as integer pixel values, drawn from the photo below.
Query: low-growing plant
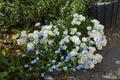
(67, 46)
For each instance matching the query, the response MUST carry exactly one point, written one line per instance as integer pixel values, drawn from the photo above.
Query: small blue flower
(68, 57)
(74, 69)
(26, 65)
(62, 57)
(98, 39)
(58, 65)
(33, 61)
(46, 49)
(63, 47)
(42, 74)
(23, 55)
(89, 62)
(65, 68)
(85, 52)
(37, 52)
(53, 66)
(91, 42)
(53, 61)
(57, 51)
(29, 49)
(50, 70)
(78, 67)
(93, 31)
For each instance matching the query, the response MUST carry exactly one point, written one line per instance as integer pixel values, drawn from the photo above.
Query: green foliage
(14, 12)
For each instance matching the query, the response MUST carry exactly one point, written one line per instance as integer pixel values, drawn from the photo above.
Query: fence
(106, 12)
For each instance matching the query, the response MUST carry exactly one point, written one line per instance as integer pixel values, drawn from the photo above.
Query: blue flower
(53, 61)
(68, 57)
(53, 66)
(62, 57)
(74, 69)
(91, 42)
(57, 51)
(42, 74)
(29, 49)
(33, 61)
(65, 68)
(46, 49)
(50, 70)
(63, 47)
(78, 67)
(37, 52)
(85, 52)
(93, 31)
(26, 65)
(98, 39)
(58, 65)
(89, 62)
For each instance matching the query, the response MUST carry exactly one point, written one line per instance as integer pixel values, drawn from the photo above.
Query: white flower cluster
(77, 19)
(83, 47)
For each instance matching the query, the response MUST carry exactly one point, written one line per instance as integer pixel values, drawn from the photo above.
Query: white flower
(83, 45)
(30, 35)
(56, 32)
(73, 53)
(50, 33)
(23, 34)
(65, 32)
(77, 48)
(97, 58)
(83, 59)
(50, 42)
(78, 33)
(91, 49)
(75, 15)
(81, 17)
(75, 40)
(73, 31)
(66, 39)
(30, 46)
(84, 39)
(75, 21)
(95, 21)
(89, 28)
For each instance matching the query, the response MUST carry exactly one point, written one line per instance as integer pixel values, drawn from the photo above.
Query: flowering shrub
(69, 46)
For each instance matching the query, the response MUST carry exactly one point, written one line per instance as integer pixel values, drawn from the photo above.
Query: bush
(14, 12)
(67, 46)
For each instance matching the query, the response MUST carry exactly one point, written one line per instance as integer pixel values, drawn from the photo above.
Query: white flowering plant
(66, 46)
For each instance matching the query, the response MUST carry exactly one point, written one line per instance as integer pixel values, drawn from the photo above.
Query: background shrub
(13, 12)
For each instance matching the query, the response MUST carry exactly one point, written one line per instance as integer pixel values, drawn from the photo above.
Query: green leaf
(3, 60)
(3, 74)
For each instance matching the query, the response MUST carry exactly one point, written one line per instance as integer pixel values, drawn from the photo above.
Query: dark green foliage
(13, 12)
